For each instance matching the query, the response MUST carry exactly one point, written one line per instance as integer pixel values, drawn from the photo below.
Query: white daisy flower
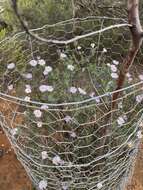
(33, 63)
(44, 155)
(70, 67)
(10, 87)
(39, 124)
(120, 121)
(63, 55)
(92, 45)
(108, 64)
(141, 77)
(27, 98)
(79, 47)
(43, 184)
(99, 185)
(57, 160)
(128, 75)
(37, 113)
(139, 98)
(113, 68)
(14, 131)
(81, 91)
(41, 62)
(28, 89)
(139, 134)
(28, 75)
(97, 99)
(115, 62)
(44, 107)
(130, 144)
(73, 135)
(73, 90)
(50, 88)
(120, 105)
(47, 70)
(104, 50)
(114, 75)
(68, 119)
(65, 186)
(11, 66)
(130, 79)
(46, 88)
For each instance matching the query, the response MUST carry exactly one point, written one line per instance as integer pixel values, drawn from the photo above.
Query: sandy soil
(12, 174)
(137, 180)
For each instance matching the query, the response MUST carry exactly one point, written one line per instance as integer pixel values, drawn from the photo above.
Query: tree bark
(136, 33)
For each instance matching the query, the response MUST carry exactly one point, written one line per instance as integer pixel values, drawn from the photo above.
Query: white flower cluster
(121, 120)
(128, 75)
(81, 91)
(39, 124)
(28, 75)
(63, 55)
(57, 160)
(139, 98)
(130, 144)
(28, 89)
(43, 184)
(79, 47)
(104, 50)
(47, 70)
(27, 98)
(65, 186)
(10, 87)
(46, 88)
(67, 119)
(97, 99)
(73, 134)
(114, 69)
(11, 66)
(92, 45)
(70, 67)
(139, 134)
(35, 62)
(74, 90)
(44, 155)
(141, 77)
(44, 107)
(37, 113)
(14, 131)
(99, 185)
(41, 62)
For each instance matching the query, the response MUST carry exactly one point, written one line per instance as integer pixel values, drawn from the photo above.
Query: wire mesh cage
(56, 104)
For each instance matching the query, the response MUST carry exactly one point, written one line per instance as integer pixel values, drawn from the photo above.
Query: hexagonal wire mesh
(56, 104)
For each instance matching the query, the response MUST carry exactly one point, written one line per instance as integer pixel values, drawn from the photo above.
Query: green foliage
(37, 13)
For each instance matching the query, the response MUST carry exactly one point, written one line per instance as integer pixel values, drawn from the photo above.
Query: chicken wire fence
(56, 104)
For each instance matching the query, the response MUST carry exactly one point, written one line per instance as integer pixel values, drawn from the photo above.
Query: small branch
(36, 36)
(137, 34)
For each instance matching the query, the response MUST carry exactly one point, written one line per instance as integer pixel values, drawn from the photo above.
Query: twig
(36, 36)
(136, 32)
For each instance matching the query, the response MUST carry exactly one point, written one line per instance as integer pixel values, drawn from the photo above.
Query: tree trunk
(136, 32)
